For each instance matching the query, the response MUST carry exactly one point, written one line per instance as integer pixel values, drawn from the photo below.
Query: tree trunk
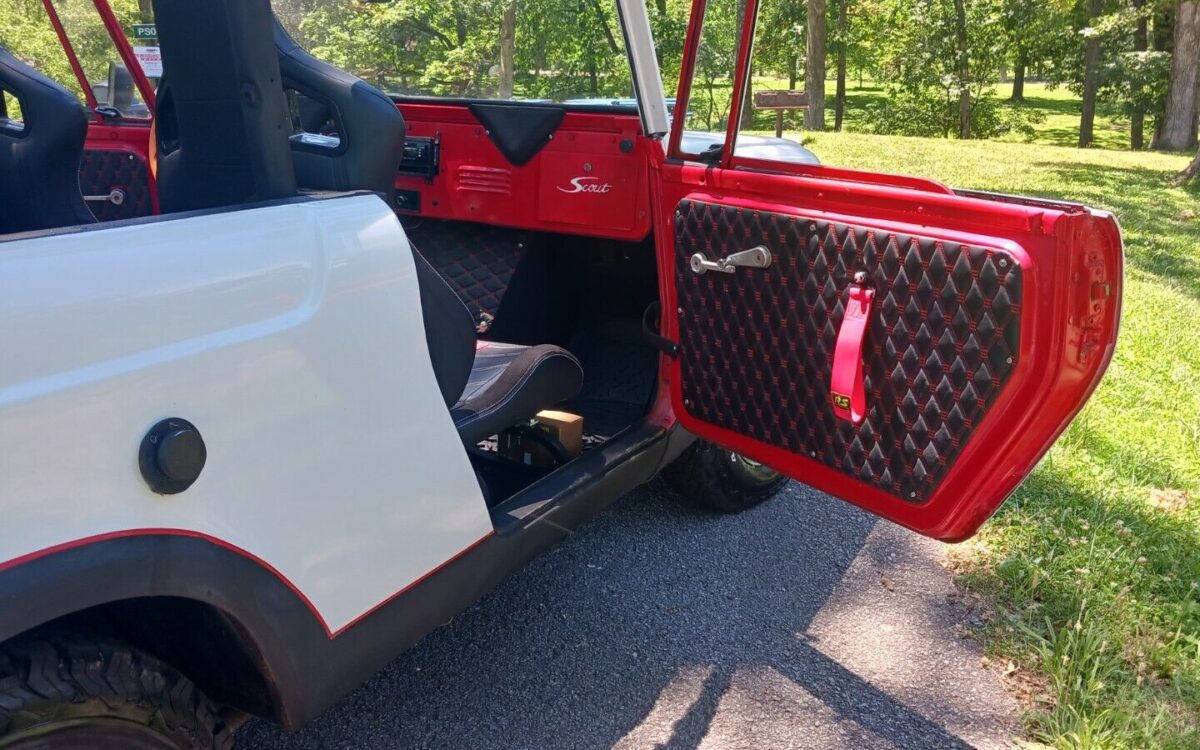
(1178, 130)
(1091, 61)
(146, 10)
(661, 6)
(748, 101)
(1018, 79)
(1191, 173)
(964, 70)
(814, 66)
(843, 28)
(508, 45)
(1137, 117)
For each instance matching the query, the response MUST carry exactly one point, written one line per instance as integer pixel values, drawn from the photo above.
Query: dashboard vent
(492, 180)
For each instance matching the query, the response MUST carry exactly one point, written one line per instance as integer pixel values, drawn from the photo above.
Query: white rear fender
(291, 336)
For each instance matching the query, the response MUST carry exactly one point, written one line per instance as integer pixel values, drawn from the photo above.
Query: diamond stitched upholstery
(757, 345)
(477, 260)
(102, 170)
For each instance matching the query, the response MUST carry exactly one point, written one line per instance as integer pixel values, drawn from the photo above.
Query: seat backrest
(370, 130)
(449, 331)
(39, 158)
(223, 122)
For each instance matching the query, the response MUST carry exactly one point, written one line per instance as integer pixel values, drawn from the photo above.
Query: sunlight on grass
(1060, 107)
(1094, 564)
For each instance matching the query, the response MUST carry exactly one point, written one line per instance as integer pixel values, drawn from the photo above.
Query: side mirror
(120, 88)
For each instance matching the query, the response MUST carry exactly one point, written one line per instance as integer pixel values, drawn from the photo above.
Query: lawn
(1091, 569)
(1058, 105)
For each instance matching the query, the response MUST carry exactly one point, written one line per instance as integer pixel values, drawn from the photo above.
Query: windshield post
(643, 65)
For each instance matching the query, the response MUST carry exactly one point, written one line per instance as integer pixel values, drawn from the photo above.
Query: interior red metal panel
(1071, 265)
(591, 179)
(116, 157)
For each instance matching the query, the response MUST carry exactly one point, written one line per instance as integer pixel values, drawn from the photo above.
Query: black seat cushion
(511, 383)
(39, 158)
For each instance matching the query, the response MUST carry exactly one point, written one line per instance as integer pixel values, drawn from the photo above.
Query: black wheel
(76, 691)
(719, 479)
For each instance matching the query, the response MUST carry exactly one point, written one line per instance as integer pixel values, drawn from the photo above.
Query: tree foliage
(940, 60)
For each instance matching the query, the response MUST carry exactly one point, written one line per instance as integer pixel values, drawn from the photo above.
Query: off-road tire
(718, 479)
(72, 691)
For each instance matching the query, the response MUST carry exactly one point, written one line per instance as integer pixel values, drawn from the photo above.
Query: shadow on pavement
(580, 648)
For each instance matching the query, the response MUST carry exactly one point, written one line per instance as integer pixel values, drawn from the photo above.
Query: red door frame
(1061, 358)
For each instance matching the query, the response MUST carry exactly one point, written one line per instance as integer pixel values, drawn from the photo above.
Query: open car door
(908, 348)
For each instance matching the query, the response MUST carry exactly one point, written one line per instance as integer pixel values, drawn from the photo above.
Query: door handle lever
(115, 197)
(755, 257)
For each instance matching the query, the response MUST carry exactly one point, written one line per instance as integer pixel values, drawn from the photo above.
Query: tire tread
(704, 475)
(79, 676)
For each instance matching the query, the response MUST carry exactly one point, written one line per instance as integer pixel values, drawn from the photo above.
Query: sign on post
(150, 60)
(145, 31)
(779, 101)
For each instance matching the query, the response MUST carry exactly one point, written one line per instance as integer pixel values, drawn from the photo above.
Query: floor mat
(618, 378)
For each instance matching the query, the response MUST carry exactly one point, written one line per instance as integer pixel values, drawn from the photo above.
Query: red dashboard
(589, 178)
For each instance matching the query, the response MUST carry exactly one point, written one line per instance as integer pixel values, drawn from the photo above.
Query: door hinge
(1092, 293)
(663, 344)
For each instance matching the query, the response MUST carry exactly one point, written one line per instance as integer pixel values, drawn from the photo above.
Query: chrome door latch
(115, 197)
(755, 257)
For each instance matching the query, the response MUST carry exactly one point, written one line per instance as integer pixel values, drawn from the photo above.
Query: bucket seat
(487, 386)
(40, 154)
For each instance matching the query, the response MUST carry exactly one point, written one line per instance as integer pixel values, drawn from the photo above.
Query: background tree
(1091, 74)
(1178, 128)
(814, 66)
(841, 42)
(1141, 44)
(1036, 33)
(964, 69)
(508, 46)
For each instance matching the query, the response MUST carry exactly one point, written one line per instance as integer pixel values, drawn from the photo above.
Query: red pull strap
(847, 389)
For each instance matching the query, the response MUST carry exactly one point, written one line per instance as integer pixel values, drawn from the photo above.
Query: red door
(908, 348)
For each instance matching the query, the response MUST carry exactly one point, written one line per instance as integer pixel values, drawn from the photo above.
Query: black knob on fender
(172, 456)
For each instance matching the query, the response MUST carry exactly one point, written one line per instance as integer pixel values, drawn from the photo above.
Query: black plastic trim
(308, 669)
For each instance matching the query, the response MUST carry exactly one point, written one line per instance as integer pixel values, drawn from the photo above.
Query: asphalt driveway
(801, 624)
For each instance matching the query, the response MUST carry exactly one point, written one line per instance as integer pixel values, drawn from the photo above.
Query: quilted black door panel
(103, 170)
(757, 345)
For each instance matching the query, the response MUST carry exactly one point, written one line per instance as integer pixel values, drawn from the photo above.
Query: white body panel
(292, 337)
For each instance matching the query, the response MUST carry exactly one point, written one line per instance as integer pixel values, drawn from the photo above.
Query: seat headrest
(224, 92)
(370, 128)
(39, 161)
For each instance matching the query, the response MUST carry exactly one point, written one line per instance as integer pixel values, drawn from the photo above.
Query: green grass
(1095, 588)
(1060, 107)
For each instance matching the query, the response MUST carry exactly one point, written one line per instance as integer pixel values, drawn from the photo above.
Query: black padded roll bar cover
(228, 102)
(370, 126)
